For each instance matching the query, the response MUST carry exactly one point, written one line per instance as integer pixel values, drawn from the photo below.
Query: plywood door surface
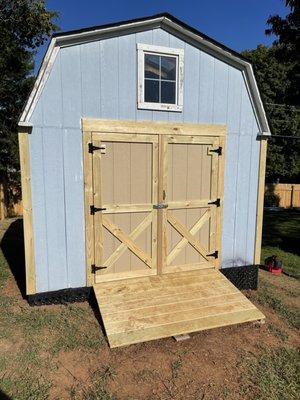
(125, 187)
(132, 174)
(190, 187)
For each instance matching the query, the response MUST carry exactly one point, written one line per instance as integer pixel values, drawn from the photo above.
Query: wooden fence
(8, 207)
(287, 194)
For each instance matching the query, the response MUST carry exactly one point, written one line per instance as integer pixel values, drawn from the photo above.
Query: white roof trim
(164, 22)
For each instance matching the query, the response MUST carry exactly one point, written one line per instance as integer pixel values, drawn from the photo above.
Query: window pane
(168, 68)
(151, 91)
(151, 66)
(168, 92)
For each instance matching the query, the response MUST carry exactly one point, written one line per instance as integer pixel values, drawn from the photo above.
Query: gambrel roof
(164, 21)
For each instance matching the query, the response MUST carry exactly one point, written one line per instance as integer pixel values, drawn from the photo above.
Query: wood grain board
(155, 307)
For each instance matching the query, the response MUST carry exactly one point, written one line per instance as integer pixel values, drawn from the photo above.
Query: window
(160, 78)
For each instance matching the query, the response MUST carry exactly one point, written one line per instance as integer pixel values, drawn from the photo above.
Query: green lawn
(59, 352)
(281, 237)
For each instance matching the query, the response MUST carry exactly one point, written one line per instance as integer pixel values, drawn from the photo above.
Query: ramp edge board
(157, 307)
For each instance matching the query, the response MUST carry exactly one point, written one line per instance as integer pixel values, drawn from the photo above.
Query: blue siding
(98, 79)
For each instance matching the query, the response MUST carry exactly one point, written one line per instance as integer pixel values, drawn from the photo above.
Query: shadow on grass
(12, 246)
(282, 229)
(95, 307)
(3, 396)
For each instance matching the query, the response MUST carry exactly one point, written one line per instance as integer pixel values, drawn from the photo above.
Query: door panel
(152, 195)
(191, 179)
(125, 188)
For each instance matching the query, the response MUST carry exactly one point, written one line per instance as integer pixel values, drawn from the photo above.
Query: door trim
(93, 126)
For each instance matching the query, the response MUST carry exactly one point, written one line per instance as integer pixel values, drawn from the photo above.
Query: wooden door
(189, 178)
(125, 188)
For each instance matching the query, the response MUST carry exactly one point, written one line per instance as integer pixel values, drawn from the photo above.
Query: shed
(143, 148)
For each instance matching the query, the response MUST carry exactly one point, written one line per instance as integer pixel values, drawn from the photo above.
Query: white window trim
(160, 50)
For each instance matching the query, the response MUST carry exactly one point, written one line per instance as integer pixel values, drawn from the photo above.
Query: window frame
(143, 49)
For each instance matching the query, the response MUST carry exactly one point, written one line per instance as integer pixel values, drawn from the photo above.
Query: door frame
(93, 125)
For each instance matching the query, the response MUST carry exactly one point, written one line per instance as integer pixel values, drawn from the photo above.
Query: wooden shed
(143, 147)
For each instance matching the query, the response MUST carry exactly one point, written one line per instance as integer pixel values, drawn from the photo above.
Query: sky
(238, 24)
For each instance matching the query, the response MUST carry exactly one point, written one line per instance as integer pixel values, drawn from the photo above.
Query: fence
(8, 206)
(286, 195)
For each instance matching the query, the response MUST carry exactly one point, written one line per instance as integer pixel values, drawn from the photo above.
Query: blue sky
(238, 24)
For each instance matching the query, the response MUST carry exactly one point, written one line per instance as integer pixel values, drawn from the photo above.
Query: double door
(156, 203)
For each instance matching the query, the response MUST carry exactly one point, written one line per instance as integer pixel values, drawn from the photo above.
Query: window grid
(159, 79)
(153, 91)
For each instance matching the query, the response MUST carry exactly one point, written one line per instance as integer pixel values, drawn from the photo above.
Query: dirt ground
(60, 352)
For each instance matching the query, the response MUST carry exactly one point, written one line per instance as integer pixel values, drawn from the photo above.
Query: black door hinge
(94, 268)
(92, 148)
(218, 151)
(94, 209)
(216, 202)
(215, 254)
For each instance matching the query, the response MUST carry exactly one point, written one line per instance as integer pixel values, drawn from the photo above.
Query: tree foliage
(24, 26)
(277, 72)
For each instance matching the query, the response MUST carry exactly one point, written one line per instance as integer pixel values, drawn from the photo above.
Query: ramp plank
(147, 308)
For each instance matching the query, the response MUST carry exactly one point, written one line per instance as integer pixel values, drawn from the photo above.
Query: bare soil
(210, 365)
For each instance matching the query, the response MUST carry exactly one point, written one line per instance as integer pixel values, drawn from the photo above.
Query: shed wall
(99, 79)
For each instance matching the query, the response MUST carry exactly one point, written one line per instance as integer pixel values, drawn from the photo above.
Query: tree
(276, 69)
(24, 26)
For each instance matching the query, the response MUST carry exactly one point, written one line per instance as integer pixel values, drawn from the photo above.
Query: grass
(37, 336)
(268, 295)
(281, 237)
(96, 391)
(274, 375)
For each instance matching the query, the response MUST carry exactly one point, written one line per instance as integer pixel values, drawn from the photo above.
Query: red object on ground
(274, 265)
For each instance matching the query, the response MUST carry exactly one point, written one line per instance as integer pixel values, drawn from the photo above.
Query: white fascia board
(40, 81)
(83, 37)
(246, 66)
(96, 34)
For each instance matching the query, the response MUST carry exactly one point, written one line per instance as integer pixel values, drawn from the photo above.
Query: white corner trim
(41, 79)
(25, 124)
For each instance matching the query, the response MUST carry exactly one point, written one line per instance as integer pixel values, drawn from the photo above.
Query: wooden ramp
(154, 307)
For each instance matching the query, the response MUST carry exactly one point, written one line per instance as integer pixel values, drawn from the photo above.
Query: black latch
(92, 148)
(94, 268)
(160, 206)
(94, 209)
(215, 254)
(218, 151)
(216, 202)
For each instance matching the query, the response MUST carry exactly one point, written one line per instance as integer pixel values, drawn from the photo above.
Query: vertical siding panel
(161, 38)
(206, 89)
(74, 211)
(99, 80)
(191, 84)
(38, 209)
(127, 77)
(37, 116)
(177, 43)
(71, 86)
(52, 97)
(90, 79)
(220, 92)
(234, 100)
(230, 185)
(246, 113)
(109, 78)
(242, 196)
(55, 208)
(144, 38)
(252, 200)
